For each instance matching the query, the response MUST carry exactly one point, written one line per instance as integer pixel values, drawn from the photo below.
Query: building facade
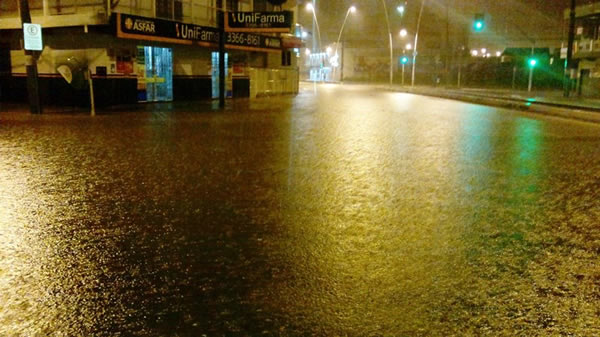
(586, 48)
(145, 51)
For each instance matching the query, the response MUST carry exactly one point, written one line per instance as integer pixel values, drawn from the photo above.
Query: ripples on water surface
(347, 212)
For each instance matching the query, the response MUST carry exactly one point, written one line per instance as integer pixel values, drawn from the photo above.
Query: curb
(572, 113)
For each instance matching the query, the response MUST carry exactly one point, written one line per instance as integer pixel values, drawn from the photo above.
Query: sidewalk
(549, 102)
(195, 106)
(554, 97)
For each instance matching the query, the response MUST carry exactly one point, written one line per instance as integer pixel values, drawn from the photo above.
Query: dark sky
(509, 22)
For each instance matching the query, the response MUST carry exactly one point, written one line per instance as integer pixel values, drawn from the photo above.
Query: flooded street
(343, 211)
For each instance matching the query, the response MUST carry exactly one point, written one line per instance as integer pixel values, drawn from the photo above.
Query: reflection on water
(342, 212)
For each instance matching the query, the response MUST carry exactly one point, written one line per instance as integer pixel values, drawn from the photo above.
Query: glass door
(215, 74)
(158, 74)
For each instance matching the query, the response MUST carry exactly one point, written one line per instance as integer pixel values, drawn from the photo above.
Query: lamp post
(352, 9)
(387, 20)
(404, 61)
(569, 60)
(414, 62)
(532, 63)
(310, 8)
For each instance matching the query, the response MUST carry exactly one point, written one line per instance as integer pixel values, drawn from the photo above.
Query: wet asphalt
(342, 211)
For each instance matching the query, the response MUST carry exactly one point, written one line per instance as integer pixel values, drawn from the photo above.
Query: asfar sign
(266, 22)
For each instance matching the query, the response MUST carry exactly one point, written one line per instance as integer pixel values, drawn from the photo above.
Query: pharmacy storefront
(180, 56)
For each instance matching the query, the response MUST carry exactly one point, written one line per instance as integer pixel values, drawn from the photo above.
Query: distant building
(586, 48)
(145, 51)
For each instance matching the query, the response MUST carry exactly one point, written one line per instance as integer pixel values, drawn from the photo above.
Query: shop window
(232, 5)
(163, 8)
(262, 6)
(169, 9)
(178, 10)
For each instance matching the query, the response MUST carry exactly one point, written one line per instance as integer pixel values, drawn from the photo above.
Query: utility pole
(569, 60)
(33, 88)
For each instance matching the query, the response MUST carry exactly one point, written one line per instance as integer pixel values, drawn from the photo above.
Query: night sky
(509, 22)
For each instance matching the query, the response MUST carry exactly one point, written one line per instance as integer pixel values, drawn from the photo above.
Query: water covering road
(343, 211)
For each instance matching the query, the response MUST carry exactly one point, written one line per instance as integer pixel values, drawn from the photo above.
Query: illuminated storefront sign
(151, 29)
(271, 22)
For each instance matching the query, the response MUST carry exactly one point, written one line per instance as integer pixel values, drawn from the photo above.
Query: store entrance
(155, 79)
(215, 75)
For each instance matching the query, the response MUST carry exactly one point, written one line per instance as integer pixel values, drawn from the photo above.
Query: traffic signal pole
(569, 60)
(33, 88)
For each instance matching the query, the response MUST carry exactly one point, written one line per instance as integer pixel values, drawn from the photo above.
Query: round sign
(32, 30)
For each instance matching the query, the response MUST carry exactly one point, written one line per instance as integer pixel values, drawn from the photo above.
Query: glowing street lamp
(403, 32)
(400, 9)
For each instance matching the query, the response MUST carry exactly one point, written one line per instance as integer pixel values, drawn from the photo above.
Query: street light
(352, 9)
(403, 32)
(408, 46)
(400, 9)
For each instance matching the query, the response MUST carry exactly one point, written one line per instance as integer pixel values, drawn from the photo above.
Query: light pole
(387, 20)
(412, 81)
(569, 60)
(352, 9)
(532, 62)
(404, 61)
(310, 8)
(404, 58)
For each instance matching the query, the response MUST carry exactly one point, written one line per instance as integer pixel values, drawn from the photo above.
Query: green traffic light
(478, 25)
(532, 62)
(404, 60)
